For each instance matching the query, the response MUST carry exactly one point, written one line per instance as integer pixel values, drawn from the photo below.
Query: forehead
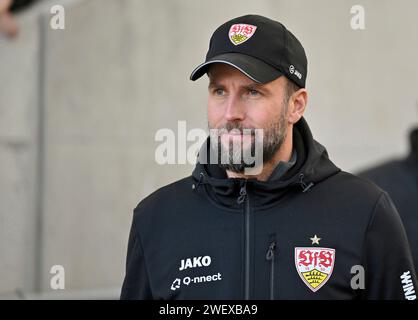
(223, 71)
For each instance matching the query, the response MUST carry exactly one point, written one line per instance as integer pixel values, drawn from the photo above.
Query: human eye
(218, 91)
(253, 93)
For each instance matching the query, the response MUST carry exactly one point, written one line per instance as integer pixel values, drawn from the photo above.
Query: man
(296, 228)
(8, 25)
(400, 179)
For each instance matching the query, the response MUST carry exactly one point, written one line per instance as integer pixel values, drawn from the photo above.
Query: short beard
(273, 138)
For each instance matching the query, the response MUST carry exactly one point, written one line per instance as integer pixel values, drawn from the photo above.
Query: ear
(297, 105)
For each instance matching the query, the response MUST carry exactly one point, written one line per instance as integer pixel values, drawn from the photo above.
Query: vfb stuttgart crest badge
(241, 32)
(314, 265)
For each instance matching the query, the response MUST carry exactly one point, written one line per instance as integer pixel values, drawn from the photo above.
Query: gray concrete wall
(18, 157)
(79, 109)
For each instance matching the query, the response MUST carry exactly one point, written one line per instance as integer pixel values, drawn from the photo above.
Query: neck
(283, 154)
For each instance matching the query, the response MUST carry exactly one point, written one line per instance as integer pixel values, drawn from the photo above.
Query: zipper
(242, 193)
(270, 257)
(243, 197)
(302, 183)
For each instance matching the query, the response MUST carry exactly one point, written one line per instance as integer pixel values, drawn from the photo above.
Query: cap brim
(253, 68)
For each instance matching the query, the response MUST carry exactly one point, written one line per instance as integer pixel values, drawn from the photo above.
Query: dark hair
(291, 88)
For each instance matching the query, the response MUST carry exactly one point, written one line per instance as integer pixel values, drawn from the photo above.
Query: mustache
(236, 126)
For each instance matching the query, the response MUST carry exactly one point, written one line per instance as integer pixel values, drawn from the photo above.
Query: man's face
(235, 103)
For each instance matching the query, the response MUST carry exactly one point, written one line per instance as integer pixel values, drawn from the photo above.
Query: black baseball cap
(261, 48)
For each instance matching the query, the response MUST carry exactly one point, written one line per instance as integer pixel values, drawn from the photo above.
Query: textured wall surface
(18, 157)
(79, 109)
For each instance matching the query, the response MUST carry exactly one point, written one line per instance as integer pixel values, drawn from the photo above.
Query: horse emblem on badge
(314, 265)
(241, 32)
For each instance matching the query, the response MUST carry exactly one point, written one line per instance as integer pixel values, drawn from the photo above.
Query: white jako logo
(195, 262)
(292, 70)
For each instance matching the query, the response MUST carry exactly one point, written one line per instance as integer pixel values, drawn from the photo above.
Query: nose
(234, 109)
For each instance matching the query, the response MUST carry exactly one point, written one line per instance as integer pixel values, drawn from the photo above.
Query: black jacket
(400, 179)
(210, 237)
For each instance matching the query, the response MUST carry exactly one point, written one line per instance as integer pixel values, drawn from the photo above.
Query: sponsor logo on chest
(195, 262)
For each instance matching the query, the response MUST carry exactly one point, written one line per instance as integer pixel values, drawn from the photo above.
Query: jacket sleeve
(136, 283)
(389, 267)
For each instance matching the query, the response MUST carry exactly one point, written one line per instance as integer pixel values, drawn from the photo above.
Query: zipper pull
(242, 193)
(305, 187)
(270, 251)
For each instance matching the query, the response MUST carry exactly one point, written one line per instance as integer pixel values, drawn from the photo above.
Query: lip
(236, 136)
(235, 132)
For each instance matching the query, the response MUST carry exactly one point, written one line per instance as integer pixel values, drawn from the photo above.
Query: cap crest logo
(241, 32)
(314, 265)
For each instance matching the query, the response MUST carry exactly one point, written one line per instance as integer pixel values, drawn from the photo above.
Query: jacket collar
(283, 167)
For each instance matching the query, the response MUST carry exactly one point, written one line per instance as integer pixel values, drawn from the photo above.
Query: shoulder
(362, 199)
(355, 187)
(168, 193)
(160, 203)
(354, 196)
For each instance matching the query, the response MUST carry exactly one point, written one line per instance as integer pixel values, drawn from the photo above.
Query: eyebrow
(251, 86)
(254, 86)
(213, 84)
